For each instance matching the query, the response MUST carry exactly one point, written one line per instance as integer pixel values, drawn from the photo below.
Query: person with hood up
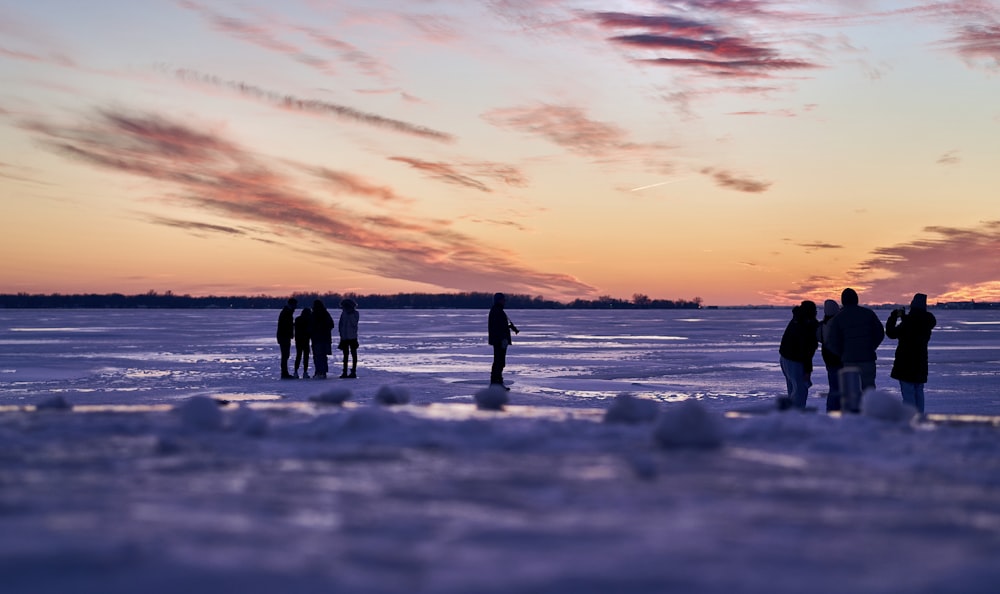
(349, 318)
(322, 339)
(499, 337)
(832, 362)
(798, 345)
(303, 328)
(285, 334)
(913, 330)
(855, 333)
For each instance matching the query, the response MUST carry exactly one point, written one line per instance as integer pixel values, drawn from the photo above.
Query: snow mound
(626, 408)
(200, 412)
(881, 405)
(336, 396)
(491, 398)
(54, 403)
(250, 422)
(688, 424)
(390, 395)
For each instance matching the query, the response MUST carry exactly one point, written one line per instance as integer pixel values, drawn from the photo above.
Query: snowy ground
(148, 485)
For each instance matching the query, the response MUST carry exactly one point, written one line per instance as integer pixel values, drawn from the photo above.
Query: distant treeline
(169, 300)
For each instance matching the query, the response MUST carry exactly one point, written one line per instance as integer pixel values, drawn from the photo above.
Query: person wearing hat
(499, 338)
(798, 345)
(913, 331)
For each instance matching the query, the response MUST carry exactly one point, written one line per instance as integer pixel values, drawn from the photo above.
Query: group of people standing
(313, 330)
(849, 335)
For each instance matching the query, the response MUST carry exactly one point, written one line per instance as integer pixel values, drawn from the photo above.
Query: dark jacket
(855, 333)
(286, 324)
(913, 330)
(798, 343)
(499, 325)
(303, 327)
(322, 326)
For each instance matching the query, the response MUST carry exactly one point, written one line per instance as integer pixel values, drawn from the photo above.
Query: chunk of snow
(200, 412)
(884, 406)
(687, 424)
(336, 396)
(54, 403)
(626, 408)
(491, 398)
(392, 395)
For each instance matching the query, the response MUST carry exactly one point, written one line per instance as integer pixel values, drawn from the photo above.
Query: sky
(742, 152)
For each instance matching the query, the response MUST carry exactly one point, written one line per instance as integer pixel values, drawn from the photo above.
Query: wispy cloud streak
(314, 106)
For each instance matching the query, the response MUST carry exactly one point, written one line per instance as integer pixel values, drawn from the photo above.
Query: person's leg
(354, 359)
(867, 370)
(499, 362)
(908, 391)
(286, 353)
(800, 384)
(833, 396)
(305, 360)
(919, 393)
(344, 349)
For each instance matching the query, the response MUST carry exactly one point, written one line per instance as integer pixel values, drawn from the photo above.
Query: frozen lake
(137, 488)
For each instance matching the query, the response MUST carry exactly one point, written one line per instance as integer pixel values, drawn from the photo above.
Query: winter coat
(499, 325)
(823, 330)
(855, 333)
(798, 343)
(913, 330)
(349, 324)
(286, 324)
(303, 326)
(322, 327)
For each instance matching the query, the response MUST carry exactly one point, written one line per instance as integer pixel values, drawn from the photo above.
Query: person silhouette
(499, 337)
(322, 339)
(798, 346)
(831, 361)
(855, 334)
(913, 331)
(349, 318)
(285, 334)
(303, 329)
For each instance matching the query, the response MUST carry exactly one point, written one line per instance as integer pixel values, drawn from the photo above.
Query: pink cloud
(213, 175)
(978, 44)
(444, 172)
(727, 179)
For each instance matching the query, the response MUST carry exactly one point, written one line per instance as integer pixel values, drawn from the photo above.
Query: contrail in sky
(672, 181)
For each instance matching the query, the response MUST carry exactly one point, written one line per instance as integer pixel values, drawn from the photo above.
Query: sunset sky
(744, 152)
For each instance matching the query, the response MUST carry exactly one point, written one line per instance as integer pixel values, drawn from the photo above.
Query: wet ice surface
(138, 489)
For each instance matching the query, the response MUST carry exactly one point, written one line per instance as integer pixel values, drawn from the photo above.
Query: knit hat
(830, 308)
(919, 302)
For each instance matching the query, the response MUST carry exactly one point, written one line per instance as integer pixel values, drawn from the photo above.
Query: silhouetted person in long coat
(499, 337)
(303, 330)
(855, 333)
(798, 345)
(913, 330)
(322, 339)
(285, 334)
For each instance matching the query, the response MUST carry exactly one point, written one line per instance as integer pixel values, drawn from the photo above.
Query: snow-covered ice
(157, 451)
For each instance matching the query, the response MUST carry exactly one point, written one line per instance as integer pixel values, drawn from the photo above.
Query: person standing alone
(499, 337)
(349, 318)
(913, 330)
(286, 332)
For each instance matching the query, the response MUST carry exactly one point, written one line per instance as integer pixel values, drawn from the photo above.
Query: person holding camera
(913, 331)
(499, 338)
